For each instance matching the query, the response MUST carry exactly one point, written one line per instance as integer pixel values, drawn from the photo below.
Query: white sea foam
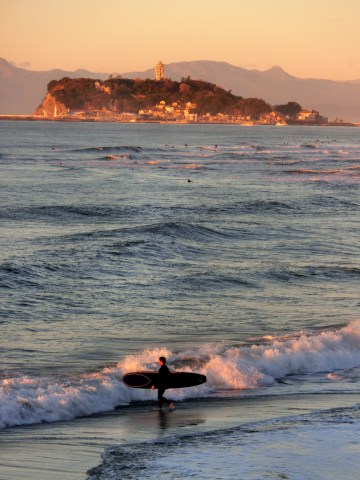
(294, 447)
(27, 400)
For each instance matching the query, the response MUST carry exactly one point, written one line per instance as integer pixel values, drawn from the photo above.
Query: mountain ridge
(21, 90)
(330, 97)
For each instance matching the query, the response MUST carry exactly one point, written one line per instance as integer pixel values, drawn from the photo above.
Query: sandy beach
(67, 450)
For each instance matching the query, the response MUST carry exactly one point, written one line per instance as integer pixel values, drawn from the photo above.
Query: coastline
(37, 118)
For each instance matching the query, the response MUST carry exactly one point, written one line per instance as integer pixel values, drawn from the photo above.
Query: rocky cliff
(50, 107)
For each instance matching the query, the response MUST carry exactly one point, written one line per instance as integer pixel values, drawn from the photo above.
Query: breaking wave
(27, 400)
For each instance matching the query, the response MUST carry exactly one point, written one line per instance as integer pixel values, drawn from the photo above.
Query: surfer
(163, 375)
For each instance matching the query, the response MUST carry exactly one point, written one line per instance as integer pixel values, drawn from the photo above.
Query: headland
(163, 101)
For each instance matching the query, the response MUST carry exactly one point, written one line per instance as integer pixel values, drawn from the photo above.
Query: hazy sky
(308, 38)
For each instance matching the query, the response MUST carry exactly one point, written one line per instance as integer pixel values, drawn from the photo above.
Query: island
(164, 100)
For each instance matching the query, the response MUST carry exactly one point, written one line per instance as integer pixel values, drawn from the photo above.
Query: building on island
(311, 116)
(159, 71)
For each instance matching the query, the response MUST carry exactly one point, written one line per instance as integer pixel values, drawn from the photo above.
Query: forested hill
(132, 95)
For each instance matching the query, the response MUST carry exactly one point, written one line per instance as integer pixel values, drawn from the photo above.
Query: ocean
(233, 251)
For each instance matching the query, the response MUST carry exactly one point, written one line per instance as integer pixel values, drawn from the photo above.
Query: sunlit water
(234, 251)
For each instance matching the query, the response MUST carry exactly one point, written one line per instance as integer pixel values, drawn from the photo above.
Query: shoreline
(36, 118)
(67, 450)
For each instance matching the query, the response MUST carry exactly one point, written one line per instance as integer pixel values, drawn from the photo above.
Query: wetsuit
(163, 375)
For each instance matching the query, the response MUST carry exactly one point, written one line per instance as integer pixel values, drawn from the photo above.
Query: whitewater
(334, 356)
(233, 252)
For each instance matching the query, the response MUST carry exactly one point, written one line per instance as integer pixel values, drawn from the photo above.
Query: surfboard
(175, 379)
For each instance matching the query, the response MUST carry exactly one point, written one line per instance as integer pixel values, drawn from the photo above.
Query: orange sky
(308, 38)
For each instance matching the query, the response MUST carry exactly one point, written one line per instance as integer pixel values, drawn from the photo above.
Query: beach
(67, 450)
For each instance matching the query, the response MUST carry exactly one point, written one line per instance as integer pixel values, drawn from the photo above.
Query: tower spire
(159, 71)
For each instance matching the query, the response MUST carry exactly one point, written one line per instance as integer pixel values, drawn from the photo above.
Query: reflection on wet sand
(174, 420)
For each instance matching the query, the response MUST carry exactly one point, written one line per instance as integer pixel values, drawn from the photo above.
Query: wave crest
(27, 400)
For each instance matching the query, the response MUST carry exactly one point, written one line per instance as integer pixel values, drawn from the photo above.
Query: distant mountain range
(22, 90)
(330, 98)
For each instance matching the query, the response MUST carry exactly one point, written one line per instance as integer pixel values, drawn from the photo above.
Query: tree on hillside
(184, 88)
(291, 109)
(254, 107)
(131, 95)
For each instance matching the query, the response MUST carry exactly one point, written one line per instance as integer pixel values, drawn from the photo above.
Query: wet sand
(67, 450)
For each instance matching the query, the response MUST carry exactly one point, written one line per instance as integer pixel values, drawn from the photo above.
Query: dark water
(119, 242)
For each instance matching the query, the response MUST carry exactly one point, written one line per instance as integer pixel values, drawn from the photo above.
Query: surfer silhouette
(162, 378)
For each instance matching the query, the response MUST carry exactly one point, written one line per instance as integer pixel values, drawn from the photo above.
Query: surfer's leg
(162, 399)
(160, 396)
(169, 403)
